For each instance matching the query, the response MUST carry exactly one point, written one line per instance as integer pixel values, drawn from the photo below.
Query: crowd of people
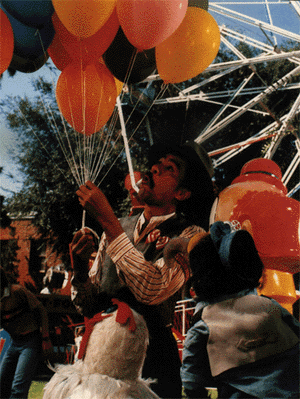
(241, 343)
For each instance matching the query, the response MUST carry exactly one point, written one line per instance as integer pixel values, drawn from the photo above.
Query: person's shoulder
(250, 304)
(21, 290)
(18, 292)
(16, 287)
(256, 303)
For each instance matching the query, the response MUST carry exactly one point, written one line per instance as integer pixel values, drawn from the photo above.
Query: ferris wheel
(262, 25)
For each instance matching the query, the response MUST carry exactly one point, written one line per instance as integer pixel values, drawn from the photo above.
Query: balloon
(119, 86)
(118, 83)
(90, 49)
(86, 97)
(30, 43)
(28, 65)
(121, 54)
(83, 18)
(33, 13)
(199, 3)
(6, 42)
(190, 49)
(147, 23)
(59, 55)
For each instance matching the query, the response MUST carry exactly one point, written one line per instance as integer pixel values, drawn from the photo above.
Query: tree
(49, 187)
(9, 248)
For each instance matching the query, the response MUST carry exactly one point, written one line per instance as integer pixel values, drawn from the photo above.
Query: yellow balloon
(83, 18)
(119, 86)
(190, 49)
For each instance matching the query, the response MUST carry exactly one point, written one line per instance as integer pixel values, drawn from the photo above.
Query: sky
(21, 84)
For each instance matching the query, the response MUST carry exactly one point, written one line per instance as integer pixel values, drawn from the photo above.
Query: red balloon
(147, 23)
(90, 49)
(60, 57)
(6, 42)
(86, 97)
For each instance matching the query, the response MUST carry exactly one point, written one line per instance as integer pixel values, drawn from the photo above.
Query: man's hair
(197, 208)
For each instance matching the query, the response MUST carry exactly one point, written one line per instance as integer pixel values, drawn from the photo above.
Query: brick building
(34, 258)
(34, 255)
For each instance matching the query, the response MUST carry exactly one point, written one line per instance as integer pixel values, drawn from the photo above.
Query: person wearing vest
(178, 195)
(245, 345)
(26, 321)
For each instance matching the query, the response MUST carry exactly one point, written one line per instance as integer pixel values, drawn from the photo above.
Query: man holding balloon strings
(177, 193)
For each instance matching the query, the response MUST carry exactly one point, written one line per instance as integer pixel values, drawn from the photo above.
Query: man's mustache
(150, 177)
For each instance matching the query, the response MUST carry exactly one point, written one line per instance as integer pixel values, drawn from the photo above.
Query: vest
(113, 287)
(243, 330)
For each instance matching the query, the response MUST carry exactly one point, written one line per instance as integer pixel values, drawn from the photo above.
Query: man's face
(162, 186)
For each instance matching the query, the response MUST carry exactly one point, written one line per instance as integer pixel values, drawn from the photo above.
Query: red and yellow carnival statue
(257, 200)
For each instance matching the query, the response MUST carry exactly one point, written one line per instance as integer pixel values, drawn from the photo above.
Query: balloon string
(83, 219)
(127, 151)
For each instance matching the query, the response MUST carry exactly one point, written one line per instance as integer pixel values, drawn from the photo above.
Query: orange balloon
(119, 86)
(6, 42)
(83, 18)
(86, 97)
(190, 49)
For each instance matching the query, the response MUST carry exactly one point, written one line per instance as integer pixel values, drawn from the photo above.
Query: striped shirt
(150, 282)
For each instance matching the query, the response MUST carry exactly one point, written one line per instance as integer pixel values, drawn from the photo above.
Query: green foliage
(49, 188)
(8, 248)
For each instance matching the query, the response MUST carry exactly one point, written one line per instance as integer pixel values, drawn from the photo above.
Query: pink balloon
(147, 23)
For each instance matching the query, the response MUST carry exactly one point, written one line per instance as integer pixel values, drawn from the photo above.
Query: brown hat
(194, 154)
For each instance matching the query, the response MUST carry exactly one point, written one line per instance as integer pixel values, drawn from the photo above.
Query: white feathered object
(112, 366)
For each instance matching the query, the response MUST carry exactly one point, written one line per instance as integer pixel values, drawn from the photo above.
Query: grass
(213, 393)
(36, 390)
